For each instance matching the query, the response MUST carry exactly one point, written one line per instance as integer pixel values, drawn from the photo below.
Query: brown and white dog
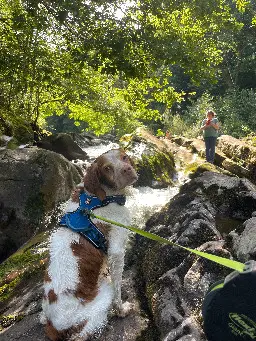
(77, 291)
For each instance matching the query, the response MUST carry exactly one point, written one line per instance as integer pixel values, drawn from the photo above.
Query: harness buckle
(86, 211)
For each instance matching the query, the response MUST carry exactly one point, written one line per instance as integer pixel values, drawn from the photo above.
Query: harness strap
(80, 220)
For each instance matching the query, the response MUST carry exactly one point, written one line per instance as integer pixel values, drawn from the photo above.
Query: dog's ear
(92, 181)
(132, 163)
(76, 193)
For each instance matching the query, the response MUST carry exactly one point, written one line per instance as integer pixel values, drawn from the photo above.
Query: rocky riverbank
(215, 211)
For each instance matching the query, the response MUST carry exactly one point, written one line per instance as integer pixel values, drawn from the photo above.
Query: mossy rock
(156, 166)
(196, 168)
(154, 163)
(7, 321)
(26, 262)
(33, 183)
(235, 168)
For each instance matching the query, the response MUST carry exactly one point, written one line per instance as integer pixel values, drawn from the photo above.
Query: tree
(77, 56)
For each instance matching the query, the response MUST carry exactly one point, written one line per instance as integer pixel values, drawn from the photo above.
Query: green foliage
(236, 110)
(110, 72)
(159, 133)
(187, 33)
(182, 126)
(197, 110)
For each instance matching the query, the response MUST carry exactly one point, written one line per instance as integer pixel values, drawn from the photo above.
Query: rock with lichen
(238, 157)
(240, 152)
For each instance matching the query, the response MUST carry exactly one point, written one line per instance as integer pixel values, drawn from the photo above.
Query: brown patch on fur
(75, 195)
(55, 335)
(76, 329)
(105, 171)
(52, 333)
(129, 159)
(92, 181)
(52, 297)
(47, 277)
(90, 265)
(44, 261)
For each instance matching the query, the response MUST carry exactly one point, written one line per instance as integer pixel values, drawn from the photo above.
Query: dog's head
(113, 169)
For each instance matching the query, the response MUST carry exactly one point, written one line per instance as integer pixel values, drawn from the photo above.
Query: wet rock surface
(245, 245)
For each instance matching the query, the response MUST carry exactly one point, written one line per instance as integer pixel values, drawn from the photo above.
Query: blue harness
(80, 221)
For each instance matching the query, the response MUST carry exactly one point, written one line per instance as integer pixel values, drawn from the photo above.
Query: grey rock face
(32, 182)
(245, 245)
(175, 282)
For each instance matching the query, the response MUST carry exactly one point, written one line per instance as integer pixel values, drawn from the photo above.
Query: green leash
(232, 264)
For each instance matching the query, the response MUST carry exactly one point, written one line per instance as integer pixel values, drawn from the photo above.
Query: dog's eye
(125, 158)
(107, 168)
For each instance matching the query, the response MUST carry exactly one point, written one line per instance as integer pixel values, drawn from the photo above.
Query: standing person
(210, 126)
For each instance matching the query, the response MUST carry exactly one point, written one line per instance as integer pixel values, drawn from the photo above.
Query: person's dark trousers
(210, 143)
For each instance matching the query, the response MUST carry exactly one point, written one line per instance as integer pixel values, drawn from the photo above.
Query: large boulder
(32, 182)
(236, 149)
(63, 144)
(87, 139)
(200, 216)
(155, 163)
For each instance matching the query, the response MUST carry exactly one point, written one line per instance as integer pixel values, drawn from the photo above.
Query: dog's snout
(127, 169)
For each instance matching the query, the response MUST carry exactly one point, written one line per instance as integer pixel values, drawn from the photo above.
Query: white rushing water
(143, 202)
(95, 151)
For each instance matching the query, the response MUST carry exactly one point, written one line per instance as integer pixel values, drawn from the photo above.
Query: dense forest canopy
(115, 65)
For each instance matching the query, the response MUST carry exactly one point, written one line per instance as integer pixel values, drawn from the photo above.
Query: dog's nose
(127, 169)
